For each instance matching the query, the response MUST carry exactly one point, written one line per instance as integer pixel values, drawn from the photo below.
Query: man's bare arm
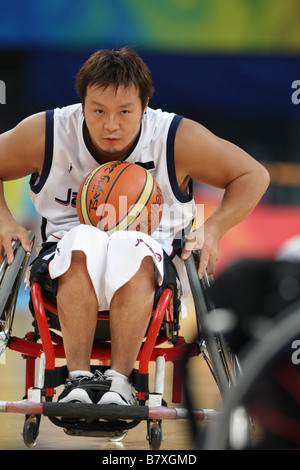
(21, 154)
(208, 159)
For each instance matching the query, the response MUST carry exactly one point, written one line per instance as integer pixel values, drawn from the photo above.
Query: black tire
(224, 364)
(31, 430)
(155, 434)
(10, 279)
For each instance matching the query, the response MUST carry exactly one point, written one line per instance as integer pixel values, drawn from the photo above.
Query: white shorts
(111, 260)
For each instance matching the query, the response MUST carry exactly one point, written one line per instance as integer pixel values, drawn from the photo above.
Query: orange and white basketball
(120, 196)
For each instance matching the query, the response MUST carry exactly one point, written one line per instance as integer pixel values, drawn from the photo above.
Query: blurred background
(233, 65)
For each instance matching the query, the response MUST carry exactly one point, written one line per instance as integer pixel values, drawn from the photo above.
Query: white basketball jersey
(68, 160)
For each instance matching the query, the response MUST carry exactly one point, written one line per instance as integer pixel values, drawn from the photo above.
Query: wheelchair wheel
(31, 430)
(10, 280)
(223, 364)
(267, 395)
(155, 434)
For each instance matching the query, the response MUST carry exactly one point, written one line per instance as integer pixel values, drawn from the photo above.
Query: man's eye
(124, 112)
(99, 111)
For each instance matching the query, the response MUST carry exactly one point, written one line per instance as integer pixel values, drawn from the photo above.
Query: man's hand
(9, 232)
(206, 241)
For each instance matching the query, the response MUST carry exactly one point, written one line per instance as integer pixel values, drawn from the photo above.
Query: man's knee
(140, 289)
(77, 266)
(76, 279)
(146, 272)
(145, 275)
(78, 259)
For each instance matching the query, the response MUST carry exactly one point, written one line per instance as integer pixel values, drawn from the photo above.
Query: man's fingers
(204, 259)
(8, 248)
(189, 246)
(208, 263)
(25, 242)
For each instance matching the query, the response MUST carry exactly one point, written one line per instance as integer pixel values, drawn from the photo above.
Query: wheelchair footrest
(91, 412)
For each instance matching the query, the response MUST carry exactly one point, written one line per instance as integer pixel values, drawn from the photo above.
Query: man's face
(113, 118)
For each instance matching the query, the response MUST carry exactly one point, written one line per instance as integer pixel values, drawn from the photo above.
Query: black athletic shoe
(120, 390)
(83, 389)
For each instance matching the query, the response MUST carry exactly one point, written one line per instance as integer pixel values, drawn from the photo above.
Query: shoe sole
(112, 398)
(77, 395)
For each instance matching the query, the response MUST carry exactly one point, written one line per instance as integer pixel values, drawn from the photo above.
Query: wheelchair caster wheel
(31, 430)
(155, 434)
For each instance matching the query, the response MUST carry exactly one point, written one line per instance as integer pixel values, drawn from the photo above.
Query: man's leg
(130, 312)
(78, 309)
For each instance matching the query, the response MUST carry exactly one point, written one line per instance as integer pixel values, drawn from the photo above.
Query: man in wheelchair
(87, 270)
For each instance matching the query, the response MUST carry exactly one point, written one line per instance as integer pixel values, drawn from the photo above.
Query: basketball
(120, 196)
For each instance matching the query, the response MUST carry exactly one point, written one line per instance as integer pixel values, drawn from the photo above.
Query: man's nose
(111, 123)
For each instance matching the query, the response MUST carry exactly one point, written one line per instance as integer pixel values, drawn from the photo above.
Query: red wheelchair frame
(52, 344)
(162, 342)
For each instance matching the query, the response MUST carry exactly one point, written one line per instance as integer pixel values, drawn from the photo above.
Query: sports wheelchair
(162, 343)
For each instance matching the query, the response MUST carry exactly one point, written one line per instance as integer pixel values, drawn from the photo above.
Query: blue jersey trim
(48, 154)
(182, 197)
